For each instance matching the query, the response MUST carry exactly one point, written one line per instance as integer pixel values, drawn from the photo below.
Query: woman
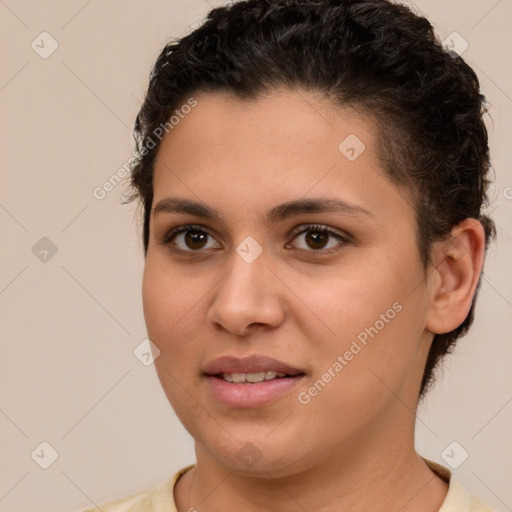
(312, 175)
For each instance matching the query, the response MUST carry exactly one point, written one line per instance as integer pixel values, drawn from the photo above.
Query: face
(299, 250)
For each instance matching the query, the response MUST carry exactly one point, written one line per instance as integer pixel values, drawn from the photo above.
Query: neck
(382, 476)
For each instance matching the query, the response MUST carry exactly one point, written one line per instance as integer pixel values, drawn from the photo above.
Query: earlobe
(457, 267)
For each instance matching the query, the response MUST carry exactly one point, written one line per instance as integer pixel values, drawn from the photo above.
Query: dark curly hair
(372, 55)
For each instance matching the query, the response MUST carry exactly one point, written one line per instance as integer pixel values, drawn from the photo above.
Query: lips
(223, 378)
(252, 364)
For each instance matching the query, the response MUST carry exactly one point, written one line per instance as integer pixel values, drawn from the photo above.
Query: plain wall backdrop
(71, 267)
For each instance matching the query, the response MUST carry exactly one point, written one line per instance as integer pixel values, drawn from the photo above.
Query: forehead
(283, 119)
(282, 146)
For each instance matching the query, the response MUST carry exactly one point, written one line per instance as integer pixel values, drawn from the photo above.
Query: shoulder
(458, 498)
(139, 501)
(159, 498)
(461, 499)
(477, 505)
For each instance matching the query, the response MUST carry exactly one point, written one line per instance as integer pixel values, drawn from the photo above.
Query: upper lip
(252, 364)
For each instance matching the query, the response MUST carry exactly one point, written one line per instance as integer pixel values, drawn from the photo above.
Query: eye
(194, 238)
(189, 238)
(316, 238)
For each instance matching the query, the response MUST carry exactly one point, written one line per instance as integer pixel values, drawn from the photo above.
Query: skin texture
(352, 446)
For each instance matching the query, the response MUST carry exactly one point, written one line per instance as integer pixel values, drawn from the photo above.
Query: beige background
(70, 324)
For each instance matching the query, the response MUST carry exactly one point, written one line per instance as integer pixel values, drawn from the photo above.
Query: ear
(454, 277)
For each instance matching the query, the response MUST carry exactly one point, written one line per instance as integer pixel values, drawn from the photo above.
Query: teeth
(255, 377)
(251, 377)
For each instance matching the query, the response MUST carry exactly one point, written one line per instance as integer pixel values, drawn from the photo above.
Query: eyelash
(344, 239)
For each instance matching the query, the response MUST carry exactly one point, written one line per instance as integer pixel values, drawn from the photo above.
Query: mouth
(254, 368)
(253, 381)
(253, 378)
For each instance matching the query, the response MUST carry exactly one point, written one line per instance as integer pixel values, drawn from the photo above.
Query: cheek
(167, 299)
(358, 382)
(346, 301)
(167, 309)
(376, 321)
(173, 310)
(379, 361)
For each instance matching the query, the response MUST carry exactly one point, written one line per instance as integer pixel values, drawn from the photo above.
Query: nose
(247, 298)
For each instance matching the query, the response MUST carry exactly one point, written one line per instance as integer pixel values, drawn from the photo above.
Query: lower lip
(242, 395)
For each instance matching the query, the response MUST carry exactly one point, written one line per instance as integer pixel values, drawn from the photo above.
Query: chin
(252, 455)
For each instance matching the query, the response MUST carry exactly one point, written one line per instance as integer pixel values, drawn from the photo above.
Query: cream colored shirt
(161, 497)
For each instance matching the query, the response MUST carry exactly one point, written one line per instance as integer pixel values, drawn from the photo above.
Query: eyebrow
(275, 214)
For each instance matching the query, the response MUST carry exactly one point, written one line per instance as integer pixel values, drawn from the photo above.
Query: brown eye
(318, 238)
(190, 239)
(195, 239)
